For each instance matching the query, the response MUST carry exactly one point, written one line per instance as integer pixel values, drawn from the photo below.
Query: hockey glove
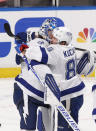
(22, 37)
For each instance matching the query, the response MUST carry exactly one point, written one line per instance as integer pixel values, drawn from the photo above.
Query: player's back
(66, 63)
(65, 69)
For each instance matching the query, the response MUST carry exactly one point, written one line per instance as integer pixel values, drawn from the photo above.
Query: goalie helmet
(48, 25)
(62, 34)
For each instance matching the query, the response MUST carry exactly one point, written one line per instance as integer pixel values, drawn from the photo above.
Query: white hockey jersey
(65, 71)
(37, 56)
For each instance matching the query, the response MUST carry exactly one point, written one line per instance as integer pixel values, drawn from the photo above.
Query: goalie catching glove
(25, 37)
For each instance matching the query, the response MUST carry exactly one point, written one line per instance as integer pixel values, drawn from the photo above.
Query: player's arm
(86, 63)
(39, 54)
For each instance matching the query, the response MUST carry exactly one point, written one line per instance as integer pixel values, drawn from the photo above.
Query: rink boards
(9, 72)
(77, 19)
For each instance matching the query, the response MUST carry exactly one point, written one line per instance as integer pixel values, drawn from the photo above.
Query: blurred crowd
(42, 3)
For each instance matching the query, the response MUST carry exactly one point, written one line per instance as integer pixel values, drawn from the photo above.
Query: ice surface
(9, 116)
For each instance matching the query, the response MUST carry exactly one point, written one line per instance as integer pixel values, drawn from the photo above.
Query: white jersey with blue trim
(34, 51)
(38, 41)
(36, 54)
(37, 51)
(65, 70)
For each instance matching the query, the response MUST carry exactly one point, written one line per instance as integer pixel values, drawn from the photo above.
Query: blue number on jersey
(71, 70)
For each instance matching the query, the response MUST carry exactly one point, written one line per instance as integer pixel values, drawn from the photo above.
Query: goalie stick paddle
(9, 32)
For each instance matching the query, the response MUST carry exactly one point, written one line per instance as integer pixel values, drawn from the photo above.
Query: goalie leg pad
(45, 120)
(51, 83)
(28, 121)
(40, 125)
(17, 95)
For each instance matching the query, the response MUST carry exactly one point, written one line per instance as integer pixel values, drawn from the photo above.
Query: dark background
(45, 3)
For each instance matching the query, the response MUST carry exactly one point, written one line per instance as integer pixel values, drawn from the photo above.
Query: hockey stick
(9, 32)
(59, 105)
(80, 49)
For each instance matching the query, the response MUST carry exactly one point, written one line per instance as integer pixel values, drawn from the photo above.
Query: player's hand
(21, 37)
(23, 47)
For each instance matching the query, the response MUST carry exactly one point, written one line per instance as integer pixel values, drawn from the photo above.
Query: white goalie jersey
(38, 58)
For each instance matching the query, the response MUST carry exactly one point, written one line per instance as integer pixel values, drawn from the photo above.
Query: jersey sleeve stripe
(44, 58)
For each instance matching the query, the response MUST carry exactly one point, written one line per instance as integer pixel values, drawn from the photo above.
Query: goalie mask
(62, 34)
(46, 28)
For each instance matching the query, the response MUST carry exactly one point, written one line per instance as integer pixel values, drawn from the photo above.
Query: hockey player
(19, 97)
(28, 104)
(71, 86)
